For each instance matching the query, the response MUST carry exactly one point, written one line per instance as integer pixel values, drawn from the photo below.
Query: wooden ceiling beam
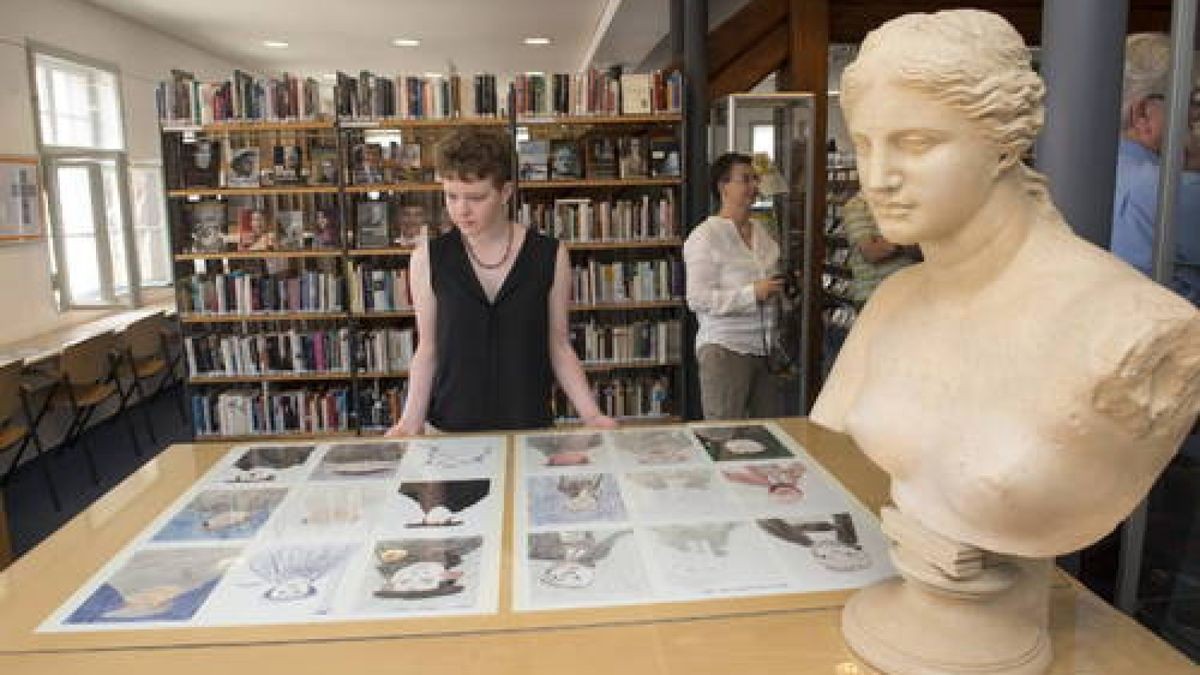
(742, 32)
(766, 56)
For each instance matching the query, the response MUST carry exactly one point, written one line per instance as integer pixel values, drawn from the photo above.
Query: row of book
(261, 411)
(388, 350)
(378, 289)
(600, 220)
(291, 351)
(603, 157)
(642, 396)
(599, 282)
(380, 406)
(384, 223)
(184, 100)
(597, 92)
(241, 292)
(218, 226)
(371, 97)
(276, 159)
(655, 341)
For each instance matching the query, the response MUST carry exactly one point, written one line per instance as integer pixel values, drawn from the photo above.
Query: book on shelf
(366, 163)
(254, 231)
(243, 168)
(665, 159)
(601, 157)
(327, 229)
(636, 94)
(412, 224)
(287, 167)
(324, 166)
(206, 221)
(533, 160)
(633, 160)
(292, 235)
(202, 163)
(565, 163)
(371, 229)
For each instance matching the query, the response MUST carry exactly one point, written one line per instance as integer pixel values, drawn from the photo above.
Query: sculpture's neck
(981, 250)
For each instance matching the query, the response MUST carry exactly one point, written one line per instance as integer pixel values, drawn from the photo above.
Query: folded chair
(16, 428)
(89, 376)
(145, 345)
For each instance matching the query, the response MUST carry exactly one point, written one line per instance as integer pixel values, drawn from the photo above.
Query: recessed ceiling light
(275, 44)
(406, 42)
(432, 74)
(537, 41)
(329, 76)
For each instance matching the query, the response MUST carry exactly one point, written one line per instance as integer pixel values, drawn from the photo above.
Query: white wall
(143, 57)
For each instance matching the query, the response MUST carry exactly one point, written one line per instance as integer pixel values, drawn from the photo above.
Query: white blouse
(721, 271)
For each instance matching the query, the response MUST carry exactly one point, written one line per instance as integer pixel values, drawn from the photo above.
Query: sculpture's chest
(954, 389)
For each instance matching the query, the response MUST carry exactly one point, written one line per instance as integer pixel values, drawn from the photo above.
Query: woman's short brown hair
(476, 154)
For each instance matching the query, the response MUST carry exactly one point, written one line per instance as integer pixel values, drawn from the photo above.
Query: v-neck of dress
(509, 277)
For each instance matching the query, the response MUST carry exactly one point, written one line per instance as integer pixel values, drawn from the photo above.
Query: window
(150, 224)
(82, 143)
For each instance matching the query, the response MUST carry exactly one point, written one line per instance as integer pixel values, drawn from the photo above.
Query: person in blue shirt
(1135, 203)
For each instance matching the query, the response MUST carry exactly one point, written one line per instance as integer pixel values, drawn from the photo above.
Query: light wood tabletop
(796, 633)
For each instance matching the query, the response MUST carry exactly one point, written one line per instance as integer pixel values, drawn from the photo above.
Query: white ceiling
(352, 35)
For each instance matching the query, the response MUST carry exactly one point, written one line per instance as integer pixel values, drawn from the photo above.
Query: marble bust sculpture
(1021, 387)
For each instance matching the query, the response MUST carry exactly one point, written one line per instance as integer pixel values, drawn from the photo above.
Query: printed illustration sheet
(291, 533)
(682, 513)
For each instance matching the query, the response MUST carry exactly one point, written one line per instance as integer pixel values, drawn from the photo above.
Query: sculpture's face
(925, 168)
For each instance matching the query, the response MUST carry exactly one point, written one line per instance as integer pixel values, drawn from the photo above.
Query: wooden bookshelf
(583, 120)
(382, 374)
(574, 423)
(600, 183)
(425, 123)
(388, 314)
(192, 317)
(259, 255)
(271, 377)
(618, 306)
(250, 126)
(623, 245)
(413, 186)
(373, 252)
(254, 192)
(348, 434)
(606, 366)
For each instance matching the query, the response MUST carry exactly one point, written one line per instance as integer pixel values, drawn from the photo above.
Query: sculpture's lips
(893, 210)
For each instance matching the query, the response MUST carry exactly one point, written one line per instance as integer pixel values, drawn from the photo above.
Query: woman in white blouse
(732, 270)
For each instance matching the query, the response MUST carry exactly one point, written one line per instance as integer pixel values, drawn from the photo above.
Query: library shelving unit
(610, 188)
(291, 233)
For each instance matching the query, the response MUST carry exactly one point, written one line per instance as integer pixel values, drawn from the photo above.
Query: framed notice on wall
(20, 203)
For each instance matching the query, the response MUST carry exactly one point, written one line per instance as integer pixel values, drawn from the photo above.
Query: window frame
(54, 156)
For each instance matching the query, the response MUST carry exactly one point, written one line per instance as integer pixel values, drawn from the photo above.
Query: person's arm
(420, 370)
(704, 293)
(1133, 222)
(563, 359)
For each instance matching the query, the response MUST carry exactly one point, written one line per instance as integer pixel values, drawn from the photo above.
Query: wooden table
(50, 344)
(776, 634)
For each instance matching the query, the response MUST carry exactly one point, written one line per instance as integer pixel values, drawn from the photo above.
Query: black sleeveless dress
(493, 358)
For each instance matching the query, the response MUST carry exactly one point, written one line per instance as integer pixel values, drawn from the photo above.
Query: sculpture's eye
(915, 142)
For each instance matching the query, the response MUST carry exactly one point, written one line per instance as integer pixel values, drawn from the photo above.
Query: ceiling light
(432, 74)
(275, 44)
(537, 41)
(406, 42)
(329, 76)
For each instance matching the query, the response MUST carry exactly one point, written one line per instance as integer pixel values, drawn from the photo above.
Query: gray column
(695, 73)
(1083, 48)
